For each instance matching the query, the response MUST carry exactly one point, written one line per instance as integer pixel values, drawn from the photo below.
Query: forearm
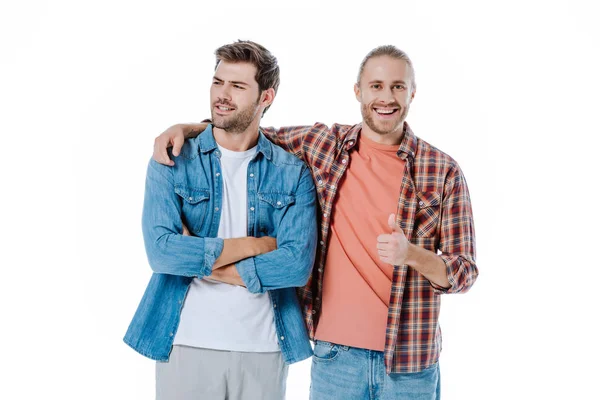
(168, 251)
(290, 265)
(428, 264)
(192, 130)
(235, 250)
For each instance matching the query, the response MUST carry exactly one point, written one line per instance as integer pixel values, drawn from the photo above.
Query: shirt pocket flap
(277, 200)
(428, 199)
(192, 195)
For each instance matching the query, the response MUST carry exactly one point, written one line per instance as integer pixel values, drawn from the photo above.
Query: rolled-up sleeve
(457, 235)
(291, 264)
(168, 251)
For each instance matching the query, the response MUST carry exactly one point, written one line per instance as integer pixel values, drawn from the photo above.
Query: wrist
(253, 246)
(411, 255)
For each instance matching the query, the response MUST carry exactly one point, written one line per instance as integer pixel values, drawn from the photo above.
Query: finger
(177, 144)
(160, 153)
(384, 238)
(186, 231)
(383, 246)
(392, 223)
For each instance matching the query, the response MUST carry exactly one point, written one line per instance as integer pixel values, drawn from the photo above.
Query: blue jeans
(349, 373)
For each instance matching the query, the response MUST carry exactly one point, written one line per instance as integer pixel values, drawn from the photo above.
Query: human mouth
(223, 109)
(385, 112)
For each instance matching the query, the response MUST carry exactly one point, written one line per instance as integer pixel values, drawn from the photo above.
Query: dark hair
(267, 69)
(390, 51)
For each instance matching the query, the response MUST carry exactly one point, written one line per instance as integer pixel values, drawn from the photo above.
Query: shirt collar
(407, 148)
(208, 143)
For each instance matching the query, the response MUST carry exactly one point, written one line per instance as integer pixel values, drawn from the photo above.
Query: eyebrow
(233, 82)
(393, 82)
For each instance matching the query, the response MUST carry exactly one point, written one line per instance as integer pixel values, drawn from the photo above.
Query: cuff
(448, 260)
(247, 270)
(212, 250)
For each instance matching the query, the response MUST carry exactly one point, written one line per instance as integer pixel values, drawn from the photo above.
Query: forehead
(386, 68)
(239, 71)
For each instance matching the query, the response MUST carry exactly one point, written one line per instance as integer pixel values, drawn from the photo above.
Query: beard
(383, 127)
(236, 123)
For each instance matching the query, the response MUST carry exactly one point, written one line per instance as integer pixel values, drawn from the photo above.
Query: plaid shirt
(434, 211)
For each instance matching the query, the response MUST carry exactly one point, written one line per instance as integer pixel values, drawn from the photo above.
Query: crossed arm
(171, 251)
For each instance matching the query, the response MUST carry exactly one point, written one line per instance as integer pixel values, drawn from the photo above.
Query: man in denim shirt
(220, 313)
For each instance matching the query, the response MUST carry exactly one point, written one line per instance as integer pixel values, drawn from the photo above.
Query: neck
(390, 138)
(237, 141)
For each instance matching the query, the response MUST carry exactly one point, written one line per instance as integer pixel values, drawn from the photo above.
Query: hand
(174, 136)
(186, 231)
(227, 274)
(393, 248)
(265, 244)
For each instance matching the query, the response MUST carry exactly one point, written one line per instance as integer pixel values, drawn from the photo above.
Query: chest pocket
(427, 217)
(271, 209)
(194, 206)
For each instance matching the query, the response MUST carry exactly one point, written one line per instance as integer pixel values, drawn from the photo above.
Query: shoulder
(429, 155)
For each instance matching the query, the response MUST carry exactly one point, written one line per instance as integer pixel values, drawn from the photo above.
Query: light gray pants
(204, 374)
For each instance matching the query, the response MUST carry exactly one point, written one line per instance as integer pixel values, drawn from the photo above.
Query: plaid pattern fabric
(434, 211)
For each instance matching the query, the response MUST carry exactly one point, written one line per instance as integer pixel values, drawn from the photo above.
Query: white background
(509, 89)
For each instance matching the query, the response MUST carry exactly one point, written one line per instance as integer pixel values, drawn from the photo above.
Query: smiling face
(235, 97)
(385, 93)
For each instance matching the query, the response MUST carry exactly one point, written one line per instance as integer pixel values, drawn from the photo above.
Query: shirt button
(274, 305)
(322, 243)
(420, 203)
(314, 311)
(251, 175)
(251, 208)
(320, 269)
(344, 161)
(325, 215)
(171, 334)
(216, 208)
(278, 203)
(190, 198)
(218, 174)
(179, 301)
(320, 183)
(282, 337)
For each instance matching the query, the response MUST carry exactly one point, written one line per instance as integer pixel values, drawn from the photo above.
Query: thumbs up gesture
(393, 248)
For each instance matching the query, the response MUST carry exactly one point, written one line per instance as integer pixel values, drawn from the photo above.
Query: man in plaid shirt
(396, 232)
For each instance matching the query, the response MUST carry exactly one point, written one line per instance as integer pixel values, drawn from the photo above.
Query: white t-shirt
(216, 315)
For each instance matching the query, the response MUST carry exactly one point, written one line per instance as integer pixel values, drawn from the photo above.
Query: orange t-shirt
(356, 285)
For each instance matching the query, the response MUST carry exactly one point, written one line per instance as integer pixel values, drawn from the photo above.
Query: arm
(454, 270)
(290, 138)
(291, 264)
(170, 252)
(395, 249)
(457, 235)
(227, 274)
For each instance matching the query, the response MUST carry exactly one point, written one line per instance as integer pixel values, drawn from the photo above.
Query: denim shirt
(281, 204)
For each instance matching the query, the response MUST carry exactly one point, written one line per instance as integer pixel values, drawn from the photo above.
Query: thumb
(392, 223)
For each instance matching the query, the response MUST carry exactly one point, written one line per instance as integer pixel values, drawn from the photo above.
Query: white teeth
(380, 111)
(224, 108)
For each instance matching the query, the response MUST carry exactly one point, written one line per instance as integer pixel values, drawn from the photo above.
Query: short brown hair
(267, 69)
(390, 51)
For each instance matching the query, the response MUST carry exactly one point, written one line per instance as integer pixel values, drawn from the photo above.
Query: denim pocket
(194, 206)
(325, 351)
(272, 207)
